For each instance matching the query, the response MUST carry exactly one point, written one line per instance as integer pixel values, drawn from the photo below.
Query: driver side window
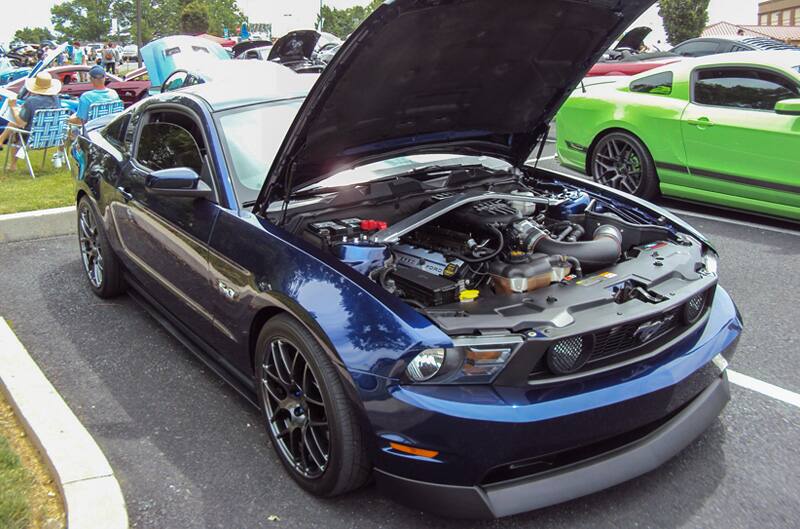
(165, 145)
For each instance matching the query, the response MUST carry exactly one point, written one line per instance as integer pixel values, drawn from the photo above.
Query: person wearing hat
(43, 90)
(99, 94)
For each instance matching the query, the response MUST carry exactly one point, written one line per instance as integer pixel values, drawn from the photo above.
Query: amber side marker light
(414, 451)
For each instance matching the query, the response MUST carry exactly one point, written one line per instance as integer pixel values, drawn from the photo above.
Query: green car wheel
(620, 160)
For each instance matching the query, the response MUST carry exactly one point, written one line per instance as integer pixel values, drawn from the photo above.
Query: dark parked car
(252, 49)
(371, 262)
(703, 46)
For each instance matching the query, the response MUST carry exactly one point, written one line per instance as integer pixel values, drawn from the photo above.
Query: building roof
(768, 6)
(726, 29)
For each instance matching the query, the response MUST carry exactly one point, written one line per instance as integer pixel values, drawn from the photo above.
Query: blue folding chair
(98, 110)
(48, 129)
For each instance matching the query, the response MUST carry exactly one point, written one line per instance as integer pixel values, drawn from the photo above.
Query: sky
(303, 13)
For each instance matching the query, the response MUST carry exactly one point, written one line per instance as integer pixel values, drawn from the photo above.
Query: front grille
(616, 340)
(619, 343)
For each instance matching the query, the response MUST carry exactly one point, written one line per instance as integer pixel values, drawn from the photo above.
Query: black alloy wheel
(619, 160)
(295, 408)
(99, 261)
(91, 253)
(310, 419)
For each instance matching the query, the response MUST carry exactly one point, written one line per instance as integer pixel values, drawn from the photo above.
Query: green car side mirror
(788, 107)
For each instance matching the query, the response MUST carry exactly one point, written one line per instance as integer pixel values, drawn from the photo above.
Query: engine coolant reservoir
(521, 273)
(527, 209)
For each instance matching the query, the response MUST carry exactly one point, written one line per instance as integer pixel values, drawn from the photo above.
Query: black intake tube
(603, 250)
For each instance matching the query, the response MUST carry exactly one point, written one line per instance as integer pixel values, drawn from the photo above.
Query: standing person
(78, 56)
(117, 56)
(108, 58)
(98, 94)
(43, 90)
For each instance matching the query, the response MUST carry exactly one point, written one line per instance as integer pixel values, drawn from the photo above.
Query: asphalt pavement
(190, 453)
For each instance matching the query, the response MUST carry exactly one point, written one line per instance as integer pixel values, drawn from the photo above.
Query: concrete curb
(37, 224)
(92, 495)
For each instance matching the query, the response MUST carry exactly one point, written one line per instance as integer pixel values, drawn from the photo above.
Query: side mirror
(788, 107)
(179, 182)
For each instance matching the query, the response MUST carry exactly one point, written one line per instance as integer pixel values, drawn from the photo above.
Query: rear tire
(620, 160)
(313, 427)
(100, 264)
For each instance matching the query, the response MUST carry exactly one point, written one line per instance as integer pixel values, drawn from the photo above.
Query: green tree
(342, 22)
(88, 20)
(33, 35)
(224, 14)
(194, 18)
(683, 19)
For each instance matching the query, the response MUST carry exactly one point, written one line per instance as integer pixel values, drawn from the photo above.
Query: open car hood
(460, 76)
(48, 60)
(180, 52)
(295, 46)
(299, 45)
(633, 39)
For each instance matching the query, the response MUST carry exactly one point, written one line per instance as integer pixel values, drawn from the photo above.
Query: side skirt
(213, 360)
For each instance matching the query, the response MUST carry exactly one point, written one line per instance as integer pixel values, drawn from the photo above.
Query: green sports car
(723, 129)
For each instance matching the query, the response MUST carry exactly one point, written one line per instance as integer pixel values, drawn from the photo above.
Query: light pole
(139, 32)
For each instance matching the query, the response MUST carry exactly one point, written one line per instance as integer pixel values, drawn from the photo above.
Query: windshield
(253, 135)
(252, 138)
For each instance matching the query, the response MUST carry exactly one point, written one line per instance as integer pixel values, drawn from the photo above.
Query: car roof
(781, 58)
(241, 83)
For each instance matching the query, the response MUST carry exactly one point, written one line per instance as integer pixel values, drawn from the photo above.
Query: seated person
(43, 90)
(99, 94)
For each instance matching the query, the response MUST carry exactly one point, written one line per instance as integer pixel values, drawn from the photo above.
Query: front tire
(313, 427)
(621, 161)
(99, 261)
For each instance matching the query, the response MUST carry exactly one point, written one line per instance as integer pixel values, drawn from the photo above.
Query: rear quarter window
(659, 84)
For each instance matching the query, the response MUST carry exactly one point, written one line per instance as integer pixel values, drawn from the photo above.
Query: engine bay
(510, 257)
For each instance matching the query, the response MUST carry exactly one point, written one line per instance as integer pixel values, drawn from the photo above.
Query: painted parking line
(755, 225)
(542, 159)
(759, 386)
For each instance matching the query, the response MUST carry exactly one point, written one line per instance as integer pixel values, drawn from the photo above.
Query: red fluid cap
(373, 225)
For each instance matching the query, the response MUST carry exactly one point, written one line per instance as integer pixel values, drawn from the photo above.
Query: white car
(130, 52)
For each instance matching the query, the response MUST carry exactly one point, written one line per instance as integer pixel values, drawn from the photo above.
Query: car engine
(460, 247)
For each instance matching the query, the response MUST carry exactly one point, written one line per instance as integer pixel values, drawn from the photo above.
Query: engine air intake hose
(604, 249)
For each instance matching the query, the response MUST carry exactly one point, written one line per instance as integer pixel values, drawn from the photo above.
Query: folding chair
(105, 108)
(48, 129)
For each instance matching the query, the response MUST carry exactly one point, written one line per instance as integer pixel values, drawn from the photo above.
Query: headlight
(710, 262)
(472, 360)
(425, 365)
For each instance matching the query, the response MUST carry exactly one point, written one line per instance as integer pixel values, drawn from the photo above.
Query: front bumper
(601, 472)
(505, 450)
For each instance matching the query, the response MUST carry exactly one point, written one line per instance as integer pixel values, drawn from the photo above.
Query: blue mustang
(371, 262)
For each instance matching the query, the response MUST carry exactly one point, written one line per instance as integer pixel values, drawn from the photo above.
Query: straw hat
(43, 84)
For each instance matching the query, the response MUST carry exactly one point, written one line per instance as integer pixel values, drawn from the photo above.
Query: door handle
(126, 195)
(700, 122)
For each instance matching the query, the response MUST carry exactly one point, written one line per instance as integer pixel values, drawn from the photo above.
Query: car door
(739, 151)
(164, 239)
